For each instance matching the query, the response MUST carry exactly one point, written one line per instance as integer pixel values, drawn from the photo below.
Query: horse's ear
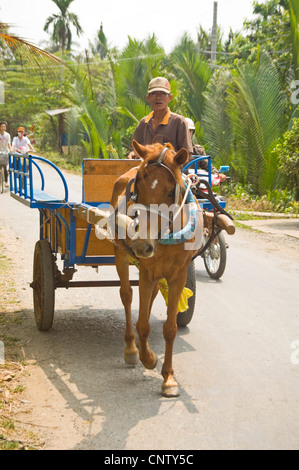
(181, 157)
(169, 146)
(139, 149)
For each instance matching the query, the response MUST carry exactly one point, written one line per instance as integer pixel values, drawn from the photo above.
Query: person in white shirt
(21, 143)
(5, 147)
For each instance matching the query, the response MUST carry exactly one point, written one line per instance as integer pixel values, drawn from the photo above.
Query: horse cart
(67, 229)
(74, 232)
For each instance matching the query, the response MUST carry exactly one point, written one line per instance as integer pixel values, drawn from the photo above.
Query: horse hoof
(132, 359)
(151, 362)
(170, 392)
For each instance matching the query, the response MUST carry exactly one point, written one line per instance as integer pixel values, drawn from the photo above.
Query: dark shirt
(172, 129)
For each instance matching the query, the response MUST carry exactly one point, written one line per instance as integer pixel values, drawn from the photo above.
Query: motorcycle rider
(21, 143)
(199, 151)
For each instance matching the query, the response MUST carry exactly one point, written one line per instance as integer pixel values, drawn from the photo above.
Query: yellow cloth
(163, 286)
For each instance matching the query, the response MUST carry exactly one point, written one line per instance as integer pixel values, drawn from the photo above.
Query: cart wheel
(215, 257)
(184, 318)
(43, 285)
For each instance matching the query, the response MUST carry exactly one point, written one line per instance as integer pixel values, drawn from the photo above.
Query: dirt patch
(16, 432)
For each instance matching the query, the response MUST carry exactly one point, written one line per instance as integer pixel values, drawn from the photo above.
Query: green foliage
(287, 152)
(28, 94)
(91, 116)
(135, 67)
(193, 73)
(216, 122)
(257, 109)
(270, 31)
(61, 25)
(244, 197)
(294, 20)
(239, 107)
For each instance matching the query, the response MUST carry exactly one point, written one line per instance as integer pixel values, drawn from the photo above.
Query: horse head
(158, 184)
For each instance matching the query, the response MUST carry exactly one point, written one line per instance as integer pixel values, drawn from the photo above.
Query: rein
(168, 238)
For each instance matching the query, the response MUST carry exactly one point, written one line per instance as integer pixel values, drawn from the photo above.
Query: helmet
(190, 123)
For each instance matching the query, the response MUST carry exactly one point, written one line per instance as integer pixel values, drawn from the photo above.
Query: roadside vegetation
(14, 433)
(245, 105)
(242, 198)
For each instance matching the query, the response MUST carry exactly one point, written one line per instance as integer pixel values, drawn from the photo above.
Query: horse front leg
(170, 387)
(122, 265)
(147, 293)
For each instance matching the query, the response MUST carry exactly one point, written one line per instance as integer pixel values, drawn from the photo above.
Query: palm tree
(294, 17)
(25, 50)
(217, 131)
(88, 115)
(100, 45)
(61, 24)
(194, 73)
(137, 64)
(258, 112)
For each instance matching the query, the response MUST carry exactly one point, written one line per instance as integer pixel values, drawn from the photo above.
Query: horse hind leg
(131, 353)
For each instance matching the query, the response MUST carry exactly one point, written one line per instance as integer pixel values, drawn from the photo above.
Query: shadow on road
(82, 357)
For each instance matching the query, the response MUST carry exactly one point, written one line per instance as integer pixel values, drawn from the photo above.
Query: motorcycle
(215, 253)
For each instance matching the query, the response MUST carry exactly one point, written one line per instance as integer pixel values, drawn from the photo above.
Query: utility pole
(214, 36)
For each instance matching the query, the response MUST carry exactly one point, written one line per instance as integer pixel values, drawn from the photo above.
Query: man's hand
(132, 156)
(222, 177)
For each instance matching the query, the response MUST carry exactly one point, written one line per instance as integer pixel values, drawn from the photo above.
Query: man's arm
(184, 138)
(138, 137)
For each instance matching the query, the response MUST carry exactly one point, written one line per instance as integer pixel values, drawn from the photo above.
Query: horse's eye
(171, 194)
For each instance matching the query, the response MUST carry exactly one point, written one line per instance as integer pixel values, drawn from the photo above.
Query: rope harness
(189, 201)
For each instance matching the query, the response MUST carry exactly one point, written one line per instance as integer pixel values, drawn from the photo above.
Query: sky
(122, 18)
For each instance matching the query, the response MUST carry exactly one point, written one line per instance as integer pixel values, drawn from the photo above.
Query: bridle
(189, 201)
(159, 162)
(167, 237)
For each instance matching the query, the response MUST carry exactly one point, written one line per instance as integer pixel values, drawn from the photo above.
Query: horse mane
(154, 151)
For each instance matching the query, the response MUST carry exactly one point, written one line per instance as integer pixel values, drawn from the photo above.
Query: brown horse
(158, 180)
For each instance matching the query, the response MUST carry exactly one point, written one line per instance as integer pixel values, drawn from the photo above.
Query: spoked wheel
(184, 318)
(43, 285)
(215, 257)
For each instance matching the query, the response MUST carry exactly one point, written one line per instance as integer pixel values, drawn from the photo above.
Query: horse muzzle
(143, 248)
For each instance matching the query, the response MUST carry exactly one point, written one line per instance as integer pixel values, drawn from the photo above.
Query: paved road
(275, 226)
(238, 373)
